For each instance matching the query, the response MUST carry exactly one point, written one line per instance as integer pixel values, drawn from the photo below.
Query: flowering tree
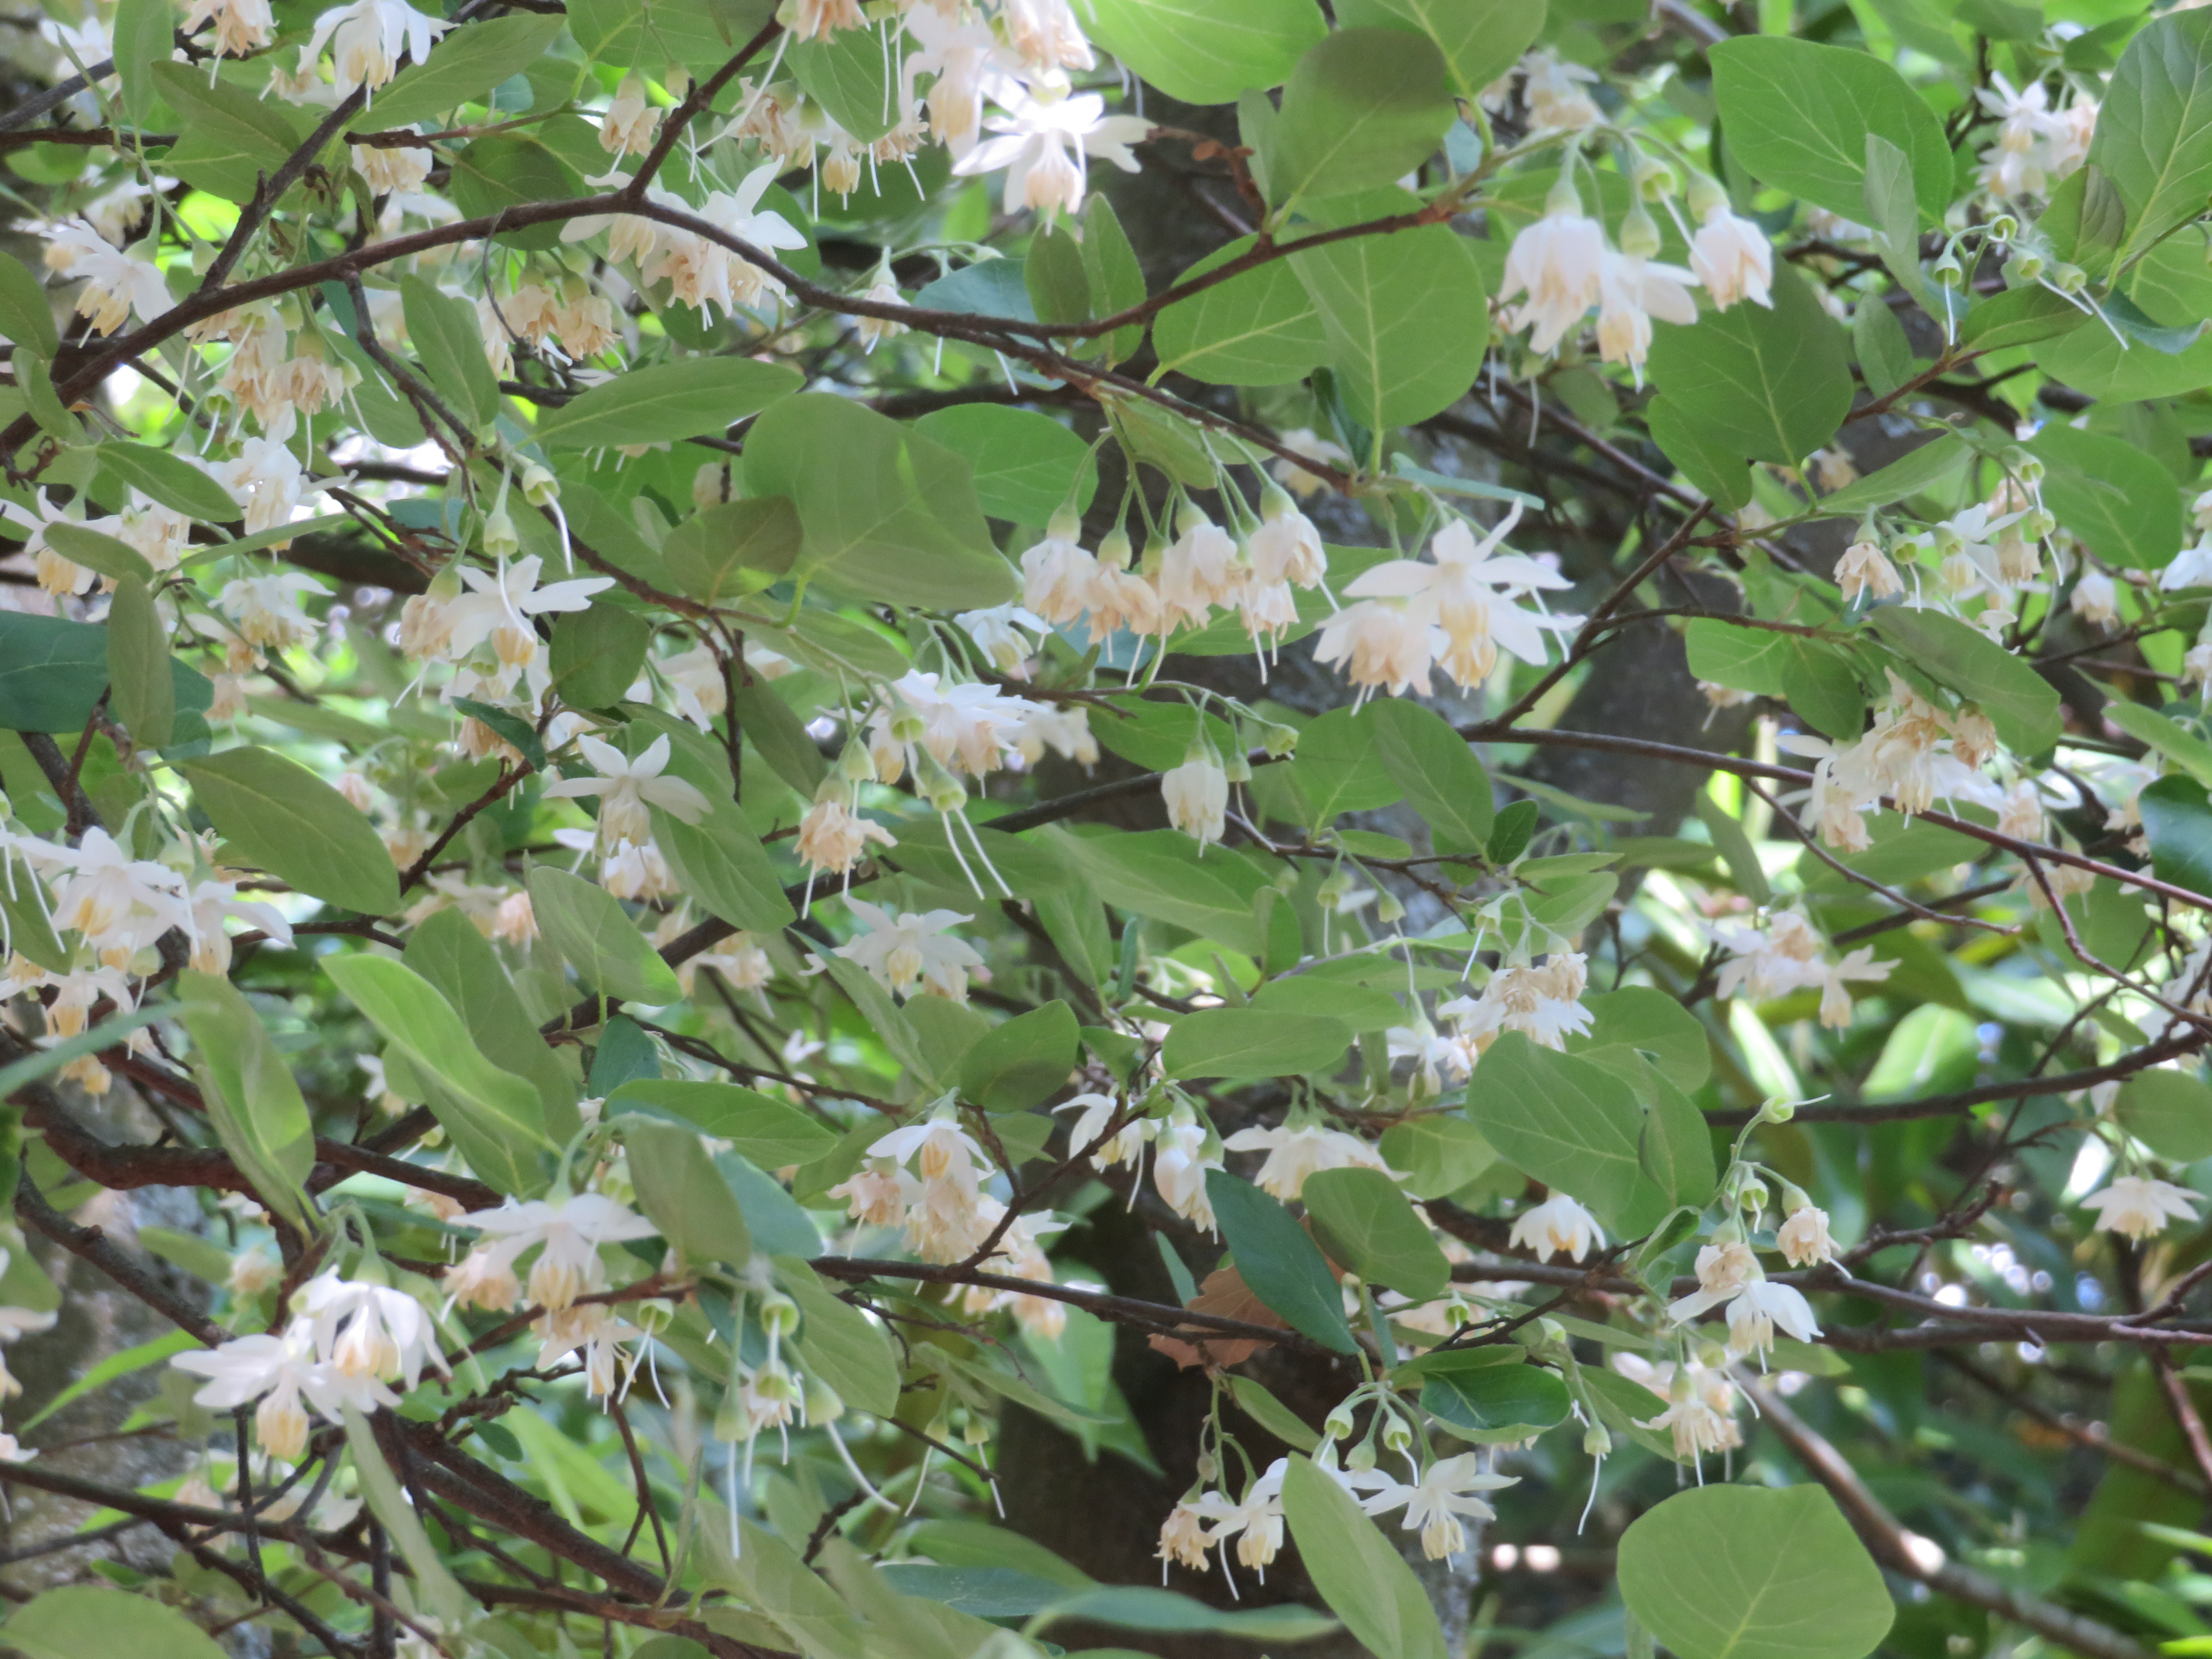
(953, 828)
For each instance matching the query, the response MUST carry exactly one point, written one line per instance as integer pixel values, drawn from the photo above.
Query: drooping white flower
(627, 788)
(1761, 1308)
(1471, 591)
(1433, 1505)
(1558, 1226)
(241, 26)
(266, 480)
(1045, 143)
(1724, 1270)
(1544, 1004)
(832, 836)
(998, 633)
(1197, 796)
(1297, 1151)
(1287, 547)
(2096, 599)
(631, 122)
(499, 605)
(285, 1374)
(115, 284)
(1555, 89)
(1180, 1163)
(266, 609)
(1556, 262)
(696, 677)
(1803, 1238)
(1632, 290)
(370, 1332)
(1382, 646)
(369, 38)
(965, 726)
(2141, 1208)
(213, 902)
(959, 53)
(1864, 569)
(1096, 1111)
(1199, 570)
(901, 951)
(115, 901)
(1732, 257)
(1056, 573)
(568, 1233)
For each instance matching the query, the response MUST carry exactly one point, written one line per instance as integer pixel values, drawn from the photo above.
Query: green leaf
(229, 136)
(252, 1100)
(99, 552)
(1281, 1264)
(1677, 1149)
(1884, 354)
(1797, 114)
(435, 1588)
(143, 692)
(27, 314)
(1023, 1062)
(1272, 1415)
(1755, 383)
(1258, 328)
(1337, 768)
(1658, 1027)
(1117, 278)
(891, 514)
(1059, 287)
(598, 653)
(848, 1351)
(2154, 129)
(78, 1620)
(1247, 1042)
(720, 863)
(2165, 735)
(2018, 316)
(505, 170)
(1572, 1125)
(1511, 831)
(1202, 52)
(2170, 1112)
(1359, 1573)
(1699, 453)
(769, 1132)
(450, 346)
(1363, 108)
(1405, 314)
(278, 815)
(170, 480)
(2113, 494)
(1153, 873)
(679, 1189)
(495, 1117)
(587, 925)
(1814, 676)
(144, 36)
(2022, 704)
(446, 950)
(1365, 1222)
(1438, 1154)
(1480, 39)
(1918, 469)
(1436, 768)
(1141, 1607)
(1752, 1572)
(1495, 1405)
(2178, 819)
(463, 68)
(679, 399)
(853, 75)
(1026, 465)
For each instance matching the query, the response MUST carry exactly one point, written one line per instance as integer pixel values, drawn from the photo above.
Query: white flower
(1631, 291)
(266, 480)
(1256, 1522)
(1803, 1237)
(115, 284)
(1297, 1153)
(499, 605)
(114, 900)
(368, 38)
(1433, 1505)
(1056, 572)
(1556, 101)
(370, 1332)
(252, 1272)
(1543, 1004)
(1179, 1166)
(1759, 1308)
(214, 901)
(266, 609)
(964, 726)
(1382, 646)
(832, 836)
(280, 1371)
(1304, 441)
(1556, 262)
(627, 788)
(1732, 257)
(1199, 570)
(631, 122)
(570, 1232)
(2095, 600)
(1287, 547)
(959, 54)
(1469, 591)
(1044, 144)
(2191, 566)
(997, 633)
(1864, 569)
(13, 1452)
(241, 26)
(901, 951)
(1723, 1270)
(2141, 1208)
(1558, 1226)
(696, 680)
(1127, 1145)
(1197, 796)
